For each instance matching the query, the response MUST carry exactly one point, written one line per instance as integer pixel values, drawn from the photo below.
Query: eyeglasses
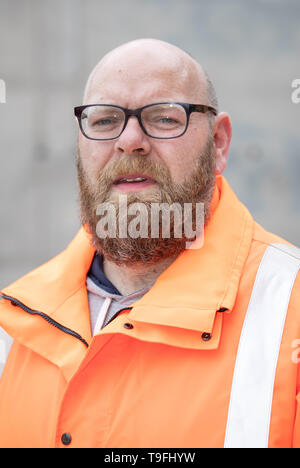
(162, 120)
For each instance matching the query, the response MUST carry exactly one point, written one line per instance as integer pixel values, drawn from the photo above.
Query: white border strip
(253, 380)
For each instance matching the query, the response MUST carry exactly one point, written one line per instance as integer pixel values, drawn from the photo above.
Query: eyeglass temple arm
(201, 108)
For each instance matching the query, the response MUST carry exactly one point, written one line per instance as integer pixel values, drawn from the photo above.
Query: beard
(197, 189)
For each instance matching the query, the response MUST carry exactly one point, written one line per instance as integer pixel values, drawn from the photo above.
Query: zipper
(16, 302)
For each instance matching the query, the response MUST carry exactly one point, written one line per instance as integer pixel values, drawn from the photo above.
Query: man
(178, 340)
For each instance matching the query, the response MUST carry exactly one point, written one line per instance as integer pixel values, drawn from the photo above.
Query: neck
(130, 278)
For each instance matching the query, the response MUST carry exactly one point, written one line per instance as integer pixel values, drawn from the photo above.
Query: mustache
(134, 164)
(104, 180)
(194, 187)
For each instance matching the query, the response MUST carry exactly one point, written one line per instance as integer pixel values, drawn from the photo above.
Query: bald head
(143, 58)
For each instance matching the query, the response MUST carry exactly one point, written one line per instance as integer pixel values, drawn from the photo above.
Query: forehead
(143, 75)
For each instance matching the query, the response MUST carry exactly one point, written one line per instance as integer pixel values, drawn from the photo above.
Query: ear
(222, 133)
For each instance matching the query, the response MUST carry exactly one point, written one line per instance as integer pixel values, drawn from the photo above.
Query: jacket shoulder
(264, 241)
(262, 236)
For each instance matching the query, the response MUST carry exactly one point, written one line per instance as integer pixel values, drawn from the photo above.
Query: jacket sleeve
(296, 438)
(295, 302)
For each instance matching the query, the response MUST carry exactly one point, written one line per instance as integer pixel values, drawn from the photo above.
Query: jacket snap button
(206, 336)
(66, 438)
(128, 325)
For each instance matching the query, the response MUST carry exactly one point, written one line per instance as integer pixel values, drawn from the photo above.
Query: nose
(133, 140)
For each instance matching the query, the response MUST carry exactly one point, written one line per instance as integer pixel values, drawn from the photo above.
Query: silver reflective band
(254, 374)
(5, 345)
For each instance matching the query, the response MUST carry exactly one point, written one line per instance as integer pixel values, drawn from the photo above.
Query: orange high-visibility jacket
(207, 358)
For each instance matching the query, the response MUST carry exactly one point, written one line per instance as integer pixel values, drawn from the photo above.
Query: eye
(164, 120)
(105, 121)
(168, 120)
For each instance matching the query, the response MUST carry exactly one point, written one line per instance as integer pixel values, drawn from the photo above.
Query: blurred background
(251, 50)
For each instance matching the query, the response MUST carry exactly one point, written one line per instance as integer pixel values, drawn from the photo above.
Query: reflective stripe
(254, 374)
(5, 345)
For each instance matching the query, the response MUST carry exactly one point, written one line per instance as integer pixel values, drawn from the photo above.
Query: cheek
(180, 159)
(94, 156)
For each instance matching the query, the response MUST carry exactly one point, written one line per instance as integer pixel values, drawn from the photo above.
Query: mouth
(133, 182)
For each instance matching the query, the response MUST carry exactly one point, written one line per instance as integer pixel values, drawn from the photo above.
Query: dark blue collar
(97, 275)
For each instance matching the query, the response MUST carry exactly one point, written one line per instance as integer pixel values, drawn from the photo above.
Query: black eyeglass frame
(189, 108)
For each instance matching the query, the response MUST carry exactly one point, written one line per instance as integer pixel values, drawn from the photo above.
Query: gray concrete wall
(47, 49)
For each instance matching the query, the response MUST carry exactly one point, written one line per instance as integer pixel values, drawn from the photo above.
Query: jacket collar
(186, 295)
(201, 282)
(57, 289)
